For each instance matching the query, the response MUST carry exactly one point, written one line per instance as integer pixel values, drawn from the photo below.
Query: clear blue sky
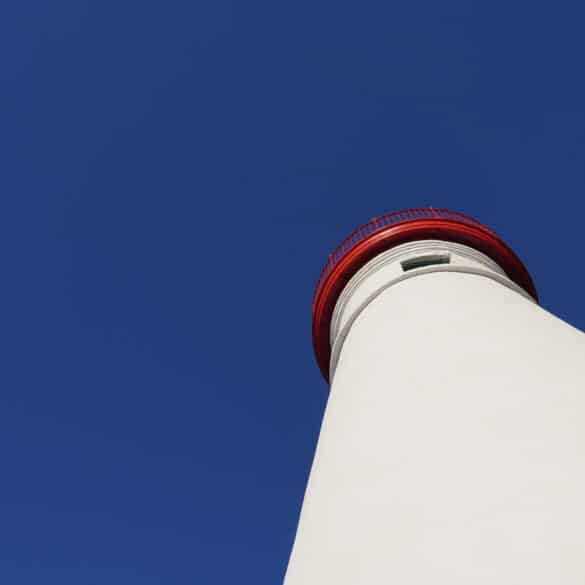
(173, 176)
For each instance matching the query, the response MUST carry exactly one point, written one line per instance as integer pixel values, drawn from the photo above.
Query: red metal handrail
(383, 221)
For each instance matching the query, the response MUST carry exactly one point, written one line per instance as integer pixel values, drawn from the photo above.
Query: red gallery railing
(383, 221)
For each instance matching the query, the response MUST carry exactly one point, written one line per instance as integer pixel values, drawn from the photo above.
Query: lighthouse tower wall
(452, 449)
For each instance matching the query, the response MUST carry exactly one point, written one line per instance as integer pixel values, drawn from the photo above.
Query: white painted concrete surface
(453, 444)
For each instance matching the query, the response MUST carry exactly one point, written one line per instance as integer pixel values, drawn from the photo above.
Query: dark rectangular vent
(422, 261)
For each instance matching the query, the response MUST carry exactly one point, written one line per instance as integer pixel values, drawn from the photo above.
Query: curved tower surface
(452, 449)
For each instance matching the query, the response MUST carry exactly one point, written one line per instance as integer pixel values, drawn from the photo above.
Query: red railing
(377, 223)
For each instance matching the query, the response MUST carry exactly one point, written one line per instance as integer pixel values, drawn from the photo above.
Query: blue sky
(174, 174)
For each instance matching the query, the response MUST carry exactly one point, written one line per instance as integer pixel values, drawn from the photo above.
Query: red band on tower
(388, 231)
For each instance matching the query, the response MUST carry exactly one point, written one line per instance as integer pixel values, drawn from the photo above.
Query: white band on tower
(401, 263)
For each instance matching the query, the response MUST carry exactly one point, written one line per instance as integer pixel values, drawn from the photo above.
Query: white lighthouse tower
(452, 449)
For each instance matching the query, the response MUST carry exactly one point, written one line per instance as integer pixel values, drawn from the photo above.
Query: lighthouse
(452, 449)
